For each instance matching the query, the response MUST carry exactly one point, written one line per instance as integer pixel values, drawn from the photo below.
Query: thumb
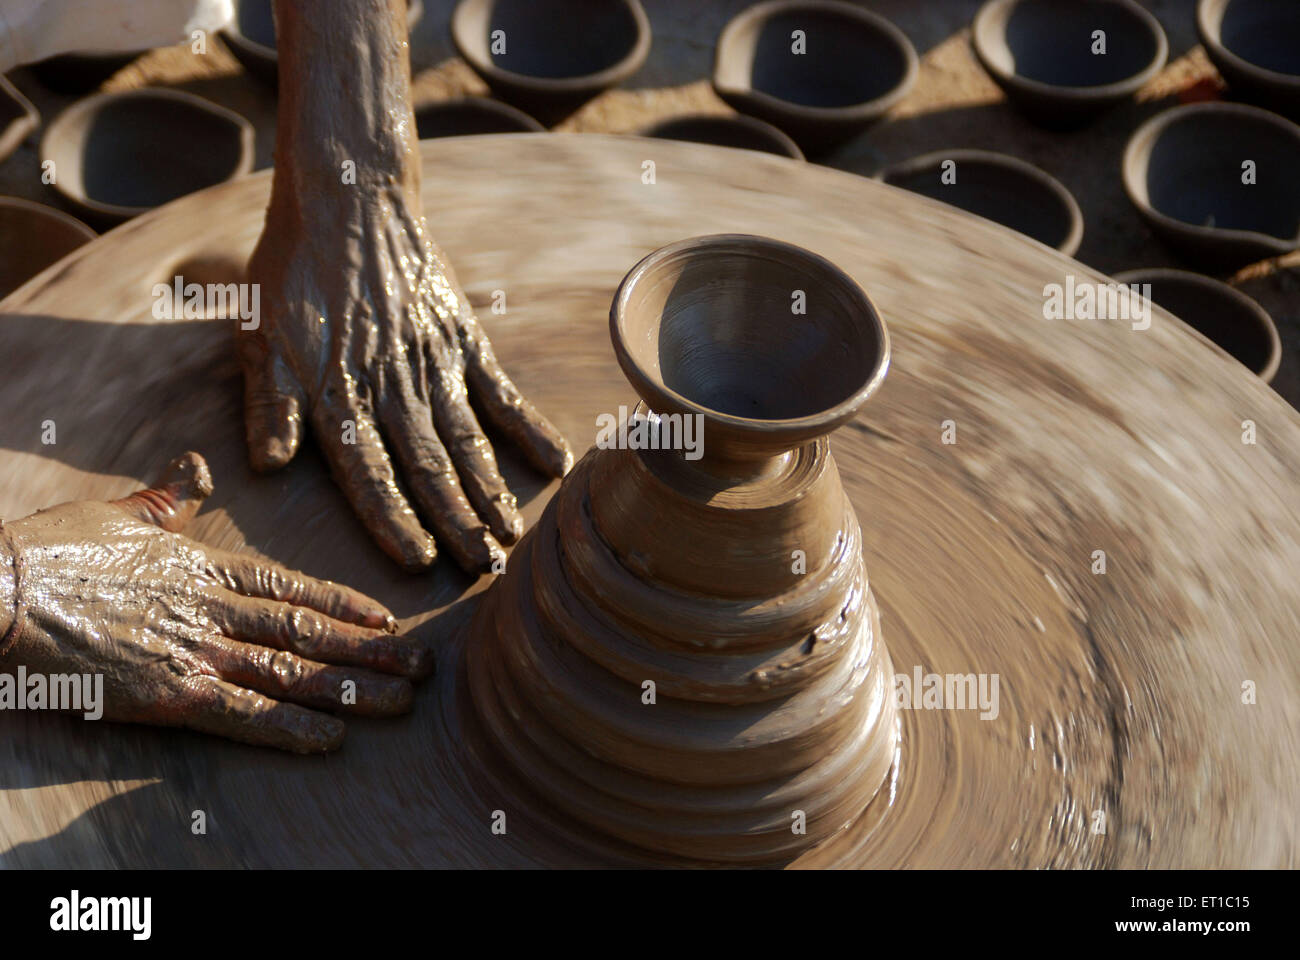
(272, 411)
(176, 498)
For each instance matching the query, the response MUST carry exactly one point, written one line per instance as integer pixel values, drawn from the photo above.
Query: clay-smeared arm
(191, 636)
(365, 334)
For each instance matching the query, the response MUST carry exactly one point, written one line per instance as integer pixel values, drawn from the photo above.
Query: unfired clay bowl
(745, 133)
(78, 73)
(558, 54)
(251, 36)
(997, 187)
(1040, 52)
(1221, 313)
(18, 118)
(117, 155)
(1184, 170)
(855, 67)
(708, 326)
(33, 236)
(466, 116)
(1256, 46)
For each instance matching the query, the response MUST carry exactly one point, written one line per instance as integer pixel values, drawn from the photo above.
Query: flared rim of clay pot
(1071, 213)
(1137, 155)
(63, 144)
(728, 59)
(266, 56)
(1216, 293)
(694, 127)
(23, 118)
(41, 224)
(1209, 25)
(502, 116)
(990, 18)
(469, 44)
(764, 436)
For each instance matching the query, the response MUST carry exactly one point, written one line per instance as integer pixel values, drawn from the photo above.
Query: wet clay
(193, 636)
(1121, 692)
(686, 653)
(365, 335)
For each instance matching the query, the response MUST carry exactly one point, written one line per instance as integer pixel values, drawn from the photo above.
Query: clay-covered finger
(313, 635)
(471, 453)
(176, 498)
(223, 709)
(360, 465)
(272, 405)
(432, 479)
(288, 677)
(262, 578)
(508, 410)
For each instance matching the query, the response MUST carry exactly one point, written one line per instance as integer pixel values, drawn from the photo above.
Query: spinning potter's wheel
(1120, 692)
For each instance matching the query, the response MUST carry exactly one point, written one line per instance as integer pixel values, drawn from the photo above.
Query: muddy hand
(365, 335)
(188, 635)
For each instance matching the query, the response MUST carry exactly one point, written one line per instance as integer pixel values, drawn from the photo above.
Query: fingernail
(419, 555)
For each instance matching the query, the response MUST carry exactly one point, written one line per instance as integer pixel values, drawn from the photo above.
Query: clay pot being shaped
(1256, 46)
(724, 577)
(1047, 56)
(549, 57)
(78, 73)
(33, 236)
(250, 36)
(467, 116)
(997, 187)
(1223, 314)
(1217, 182)
(822, 71)
(117, 155)
(18, 118)
(744, 133)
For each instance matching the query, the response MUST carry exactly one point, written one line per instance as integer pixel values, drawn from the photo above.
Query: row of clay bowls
(815, 102)
(33, 236)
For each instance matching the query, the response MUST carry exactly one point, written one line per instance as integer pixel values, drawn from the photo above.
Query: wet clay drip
(766, 703)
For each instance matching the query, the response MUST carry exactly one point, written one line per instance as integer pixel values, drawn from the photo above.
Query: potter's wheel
(1119, 692)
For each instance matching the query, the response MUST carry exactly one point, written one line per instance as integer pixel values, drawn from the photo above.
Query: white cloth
(32, 30)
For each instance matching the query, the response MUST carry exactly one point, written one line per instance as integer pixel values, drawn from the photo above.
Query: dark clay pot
(1221, 313)
(558, 54)
(251, 36)
(467, 116)
(1040, 52)
(1256, 46)
(744, 133)
(1184, 169)
(997, 187)
(18, 118)
(117, 155)
(855, 67)
(33, 236)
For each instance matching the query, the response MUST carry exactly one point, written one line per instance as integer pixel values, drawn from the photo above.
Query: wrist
(11, 605)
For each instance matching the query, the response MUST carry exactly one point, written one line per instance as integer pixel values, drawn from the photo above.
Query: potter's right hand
(187, 635)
